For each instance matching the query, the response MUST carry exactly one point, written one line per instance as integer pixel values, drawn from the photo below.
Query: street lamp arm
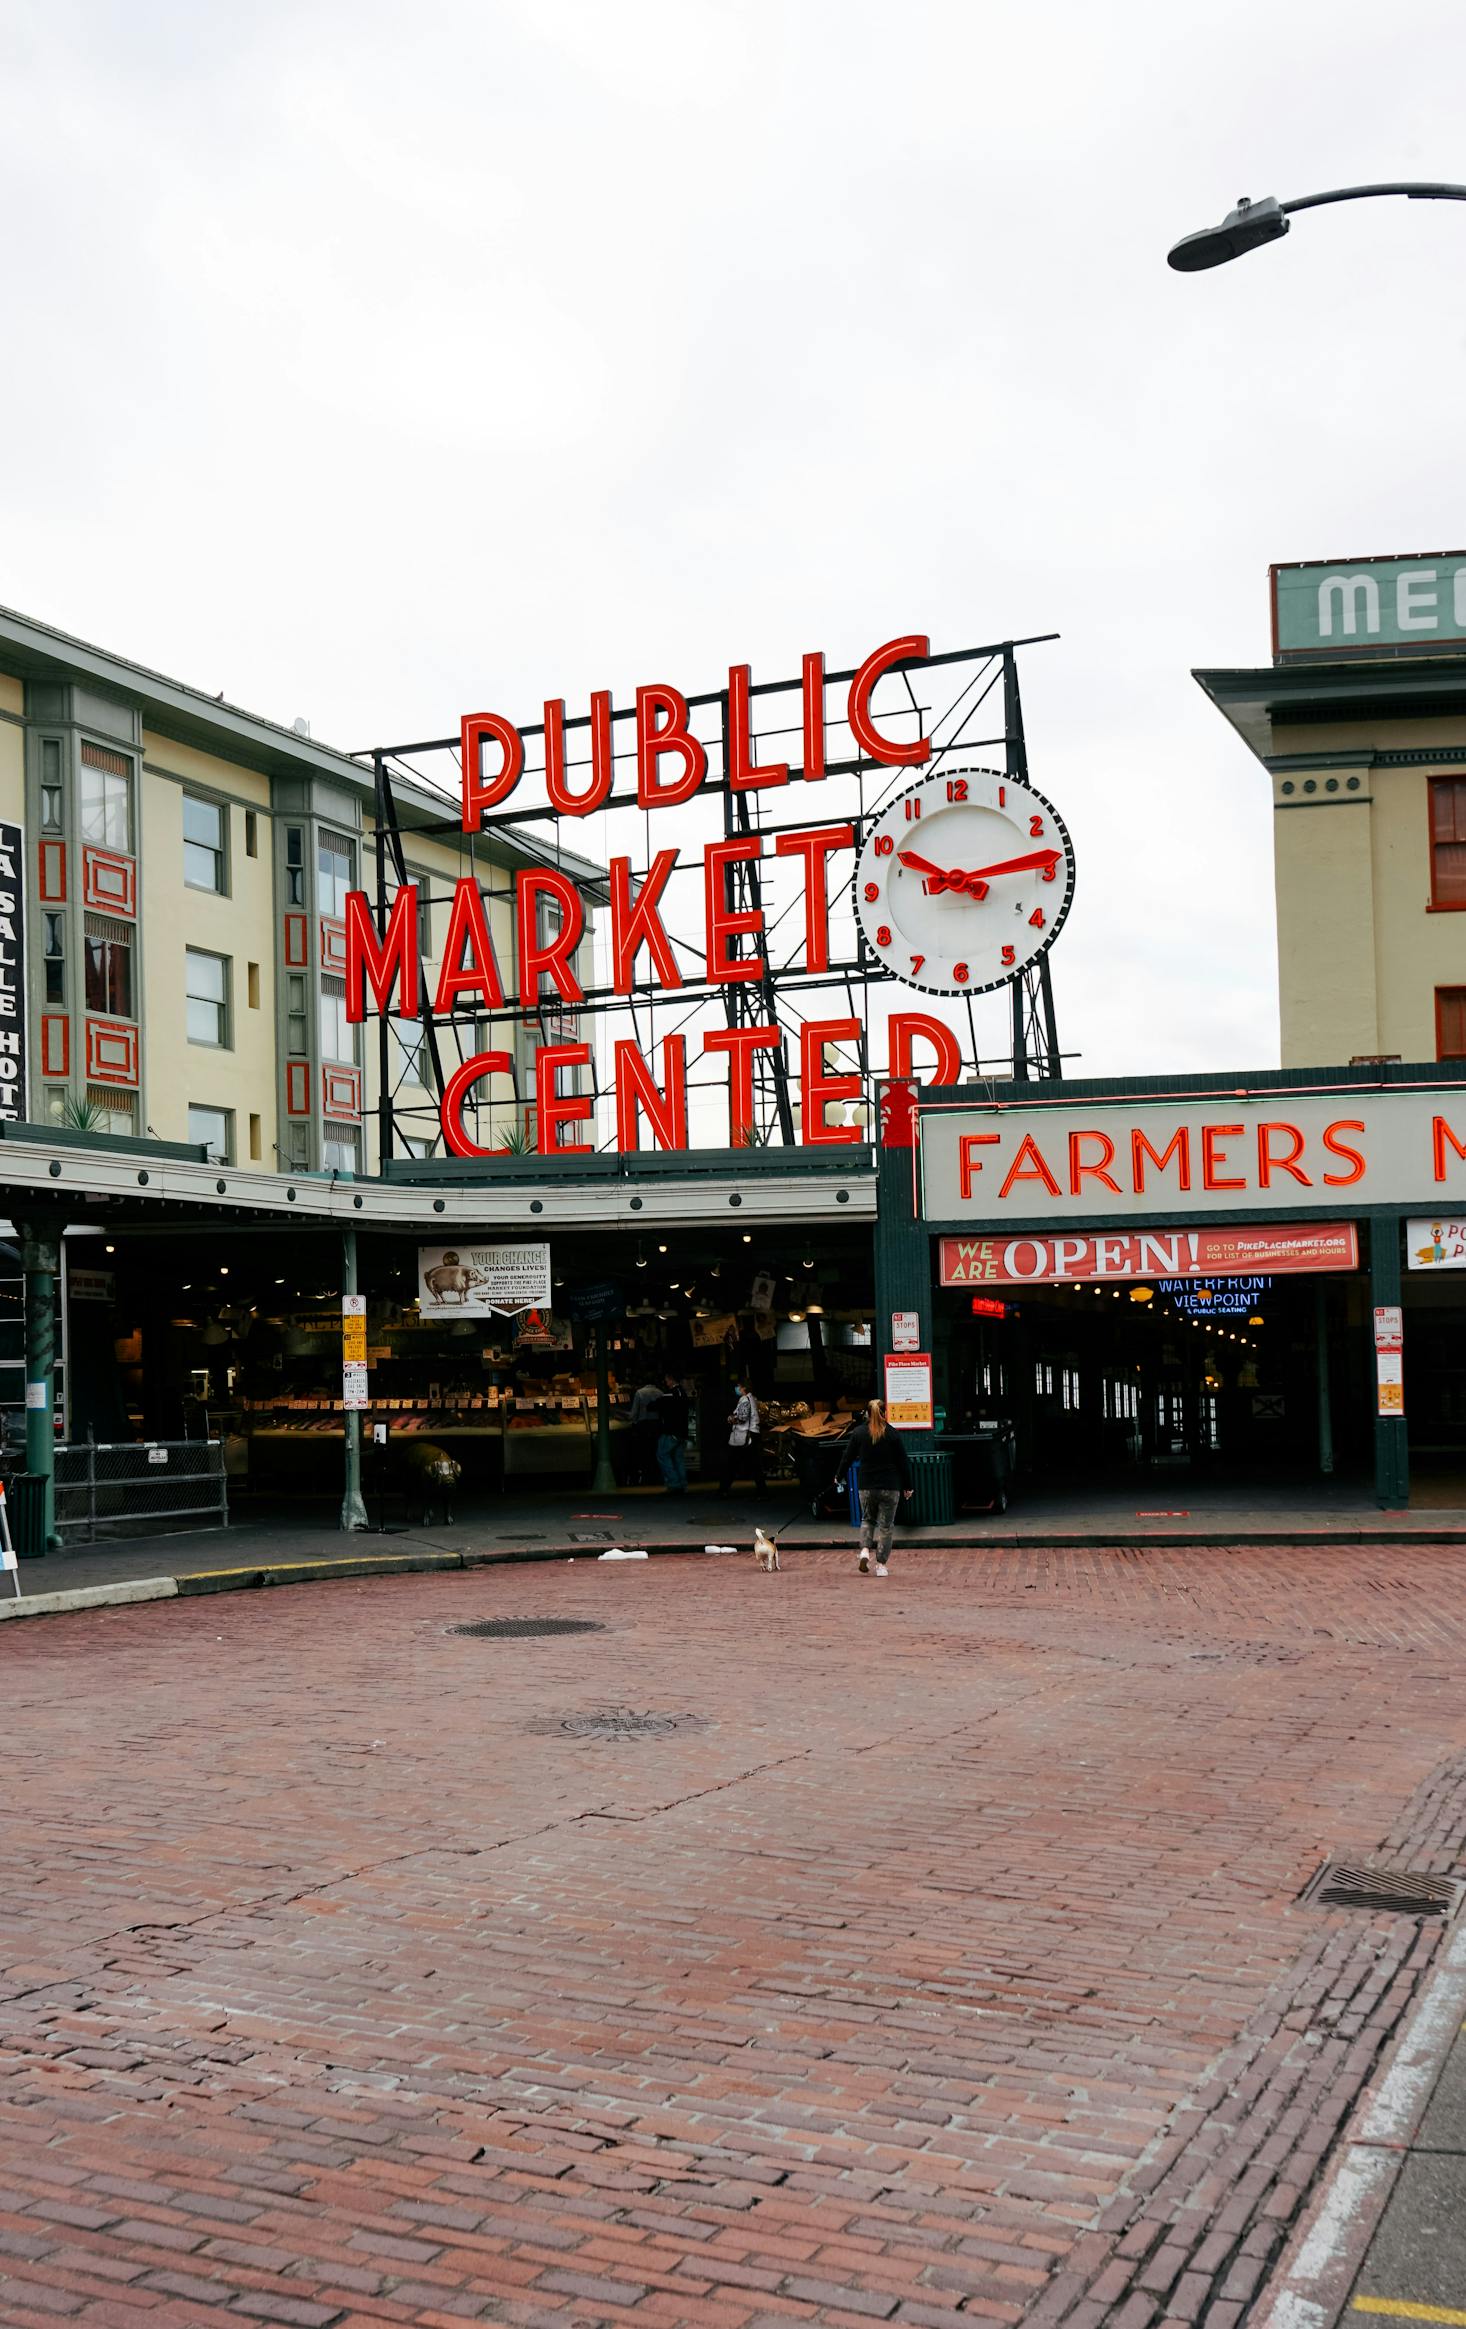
(1253, 223)
(1418, 190)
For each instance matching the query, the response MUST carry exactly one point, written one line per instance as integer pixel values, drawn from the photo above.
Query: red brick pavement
(952, 1973)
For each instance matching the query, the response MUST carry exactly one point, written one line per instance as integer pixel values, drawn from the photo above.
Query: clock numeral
(1035, 828)
(872, 892)
(883, 934)
(1009, 957)
(916, 962)
(959, 974)
(956, 788)
(913, 811)
(885, 843)
(1036, 918)
(1051, 870)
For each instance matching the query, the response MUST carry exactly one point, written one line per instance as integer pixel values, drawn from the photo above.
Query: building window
(1450, 1022)
(205, 832)
(53, 938)
(206, 985)
(115, 1111)
(57, 1096)
(333, 874)
(410, 1044)
(297, 1147)
(108, 969)
(213, 1129)
(338, 1151)
(106, 798)
(52, 787)
(294, 866)
(297, 1026)
(414, 1145)
(251, 834)
(1448, 841)
(338, 1036)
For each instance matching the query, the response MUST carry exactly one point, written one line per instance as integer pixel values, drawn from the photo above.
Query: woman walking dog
(885, 1477)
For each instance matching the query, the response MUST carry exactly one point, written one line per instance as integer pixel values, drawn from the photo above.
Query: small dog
(765, 1551)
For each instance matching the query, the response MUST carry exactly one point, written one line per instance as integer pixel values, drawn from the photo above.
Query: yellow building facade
(1360, 722)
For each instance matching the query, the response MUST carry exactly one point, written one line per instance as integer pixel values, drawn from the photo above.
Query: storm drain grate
(1394, 1892)
(519, 1628)
(616, 1722)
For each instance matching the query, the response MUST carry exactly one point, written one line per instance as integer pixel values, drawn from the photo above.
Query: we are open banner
(1276, 1250)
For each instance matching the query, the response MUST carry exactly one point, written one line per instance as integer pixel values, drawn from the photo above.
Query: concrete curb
(1320, 2266)
(91, 1597)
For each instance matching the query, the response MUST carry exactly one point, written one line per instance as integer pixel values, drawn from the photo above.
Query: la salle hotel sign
(1269, 1151)
(383, 967)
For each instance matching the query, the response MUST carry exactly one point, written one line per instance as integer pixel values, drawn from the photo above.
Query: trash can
(25, 1506)
(931, 1477)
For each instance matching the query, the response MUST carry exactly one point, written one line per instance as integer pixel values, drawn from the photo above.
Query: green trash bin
(25, 1505)
(933, 1502)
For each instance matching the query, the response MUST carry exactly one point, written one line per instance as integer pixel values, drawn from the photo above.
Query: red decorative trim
(333, 946)
(52, 883)
(55, 1044)
(111, 1052)
(297, 954)
(108, 882)
(297, 1087)
(341, 1093)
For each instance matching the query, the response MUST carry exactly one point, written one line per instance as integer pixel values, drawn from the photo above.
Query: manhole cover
(616, 1722)
(501, 1628)
(1385, 1891)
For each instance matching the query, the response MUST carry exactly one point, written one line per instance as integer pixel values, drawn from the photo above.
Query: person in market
(884, 1479)
(673, 1414)
(645, 1419)
(743, 1456)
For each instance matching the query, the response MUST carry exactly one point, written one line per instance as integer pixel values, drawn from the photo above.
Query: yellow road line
(1399, 2309)
(353, 1560)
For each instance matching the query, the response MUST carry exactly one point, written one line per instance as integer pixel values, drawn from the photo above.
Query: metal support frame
(1035, 1029)
(353, 1507)
(40, 1260)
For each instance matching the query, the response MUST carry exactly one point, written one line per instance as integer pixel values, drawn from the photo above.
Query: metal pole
(384, 1042)
(353, 1510)
(1321, 1348)
(604, 1478)
(40, 1259)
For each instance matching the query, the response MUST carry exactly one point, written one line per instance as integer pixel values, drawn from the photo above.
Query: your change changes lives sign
(482, 1281)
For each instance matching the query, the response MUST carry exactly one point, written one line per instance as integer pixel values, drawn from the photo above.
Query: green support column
(604, 1478)
(353, 1509)
(1321, 1354)
(40, 1259)
(903, 1271)
(1391, 1444)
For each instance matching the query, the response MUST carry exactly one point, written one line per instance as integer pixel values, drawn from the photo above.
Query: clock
(964, 881)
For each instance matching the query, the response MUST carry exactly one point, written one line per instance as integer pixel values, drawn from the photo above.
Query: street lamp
(1254, 223)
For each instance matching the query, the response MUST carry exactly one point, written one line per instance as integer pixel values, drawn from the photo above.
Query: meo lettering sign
(1348, 606)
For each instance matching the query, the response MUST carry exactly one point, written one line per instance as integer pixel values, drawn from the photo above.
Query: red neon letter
(1029, 1165)
(635, 923)
(722, 922)
(1178, 1146)
(552, 1106)
(673, 736)
(1268, 1164)
(969, 1165)
(479, 973)
(450, 1108)
(740, 1043)
(478, 794)
(743, 777)
(1346, 1150)
(814, 848)
(395, 959)
(908, 1027)
(1440, 1133)
(552, 957)
(814, 718)
(666, 1111)
(871, 744)
(1211, 1135)
(1099, 1170)
(818, 1087)
(602, 767)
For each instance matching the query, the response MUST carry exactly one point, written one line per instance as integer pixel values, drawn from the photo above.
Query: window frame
(1438, 904)
(108, 947)
(218, 851)
(328, 838)
(1449, 998)
(223, 1004)
(226, 1118)
(126, 778)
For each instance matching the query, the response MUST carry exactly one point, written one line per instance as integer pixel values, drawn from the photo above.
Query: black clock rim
(1009, 978)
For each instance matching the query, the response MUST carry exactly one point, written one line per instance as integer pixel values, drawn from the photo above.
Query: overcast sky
(376, 363)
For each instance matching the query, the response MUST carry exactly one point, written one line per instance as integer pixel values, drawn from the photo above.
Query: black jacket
(673, 1413)
(882, 1461)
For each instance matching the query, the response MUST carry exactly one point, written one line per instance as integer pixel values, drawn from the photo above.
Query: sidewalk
(578, 1523)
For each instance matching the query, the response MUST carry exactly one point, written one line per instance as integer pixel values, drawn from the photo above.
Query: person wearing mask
(744, 1453)
(673, 1413)
(885, 1477)
(645, 1419)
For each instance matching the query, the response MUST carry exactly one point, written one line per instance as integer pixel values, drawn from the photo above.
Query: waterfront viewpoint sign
(1350, 605)
(1250, 1152)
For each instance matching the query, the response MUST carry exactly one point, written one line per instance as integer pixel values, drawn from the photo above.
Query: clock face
(963, 881)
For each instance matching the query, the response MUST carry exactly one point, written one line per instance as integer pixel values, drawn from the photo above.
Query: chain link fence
(139, 1488)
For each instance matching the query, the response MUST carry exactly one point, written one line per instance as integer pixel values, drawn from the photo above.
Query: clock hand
(939, 880)
(1034, 862)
